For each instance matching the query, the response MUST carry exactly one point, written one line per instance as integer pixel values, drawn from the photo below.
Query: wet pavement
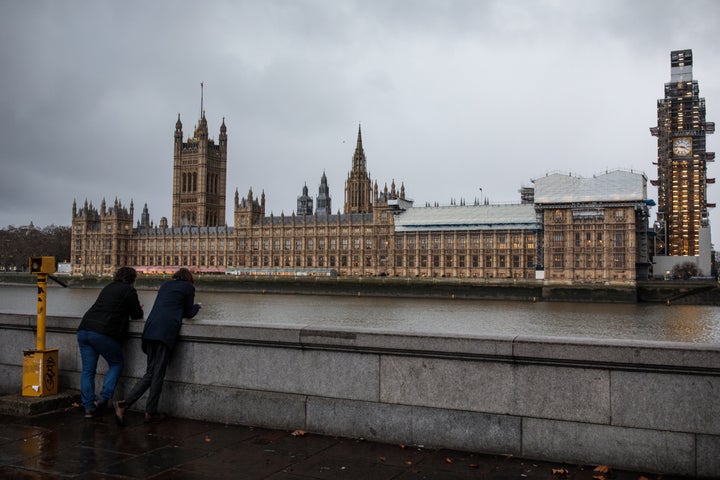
(62, 444)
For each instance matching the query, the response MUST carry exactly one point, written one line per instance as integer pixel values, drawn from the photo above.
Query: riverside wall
(691, 292)
(645, 406)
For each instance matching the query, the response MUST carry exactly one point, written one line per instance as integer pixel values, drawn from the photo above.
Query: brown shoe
(120, 407)
(154, 417)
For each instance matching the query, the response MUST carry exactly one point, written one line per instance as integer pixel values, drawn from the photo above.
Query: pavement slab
(62, 444)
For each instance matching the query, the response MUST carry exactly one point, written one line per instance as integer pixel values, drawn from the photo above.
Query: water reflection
(679, 323)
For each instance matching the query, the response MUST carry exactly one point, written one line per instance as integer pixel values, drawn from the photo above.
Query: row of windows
(588, 239)
(189, 182)
(559, 216)
(423, 243)
(437, 261)
(589, 261)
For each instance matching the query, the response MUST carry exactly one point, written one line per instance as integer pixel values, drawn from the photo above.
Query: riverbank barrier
(645, 406)
(692, 292)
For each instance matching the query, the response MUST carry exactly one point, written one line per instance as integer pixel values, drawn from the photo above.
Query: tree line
(17, 244)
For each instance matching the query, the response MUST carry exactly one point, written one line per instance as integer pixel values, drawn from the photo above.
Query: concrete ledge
(708, 451)
(619, 354)
(669, 402)
(233, 405)
(431, 427)
(634, 449)
(16, 404)
(650, 406)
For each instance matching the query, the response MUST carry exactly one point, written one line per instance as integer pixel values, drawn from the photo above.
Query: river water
(677, 323)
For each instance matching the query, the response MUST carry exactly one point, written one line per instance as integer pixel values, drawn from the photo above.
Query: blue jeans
(92, 346)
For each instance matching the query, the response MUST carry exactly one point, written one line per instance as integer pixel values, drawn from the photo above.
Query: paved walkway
(63, 444)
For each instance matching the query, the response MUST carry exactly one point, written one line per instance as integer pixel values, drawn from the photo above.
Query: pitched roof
(614, 186)
(474, 217)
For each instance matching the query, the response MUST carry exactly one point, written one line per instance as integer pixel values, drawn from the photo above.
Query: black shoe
(120, 407)
(154, 417)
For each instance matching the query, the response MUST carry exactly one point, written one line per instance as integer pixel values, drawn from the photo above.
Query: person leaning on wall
(175, 300)
(101, 333)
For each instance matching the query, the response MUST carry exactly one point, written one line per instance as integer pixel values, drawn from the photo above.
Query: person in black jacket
(102, 331)
(175, 300)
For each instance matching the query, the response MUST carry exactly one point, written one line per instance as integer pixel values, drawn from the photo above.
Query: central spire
(359, 161)
(202, 111)
(358, 188)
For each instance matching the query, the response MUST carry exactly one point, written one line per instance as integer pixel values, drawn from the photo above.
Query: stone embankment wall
(691, 292)
(646, 406)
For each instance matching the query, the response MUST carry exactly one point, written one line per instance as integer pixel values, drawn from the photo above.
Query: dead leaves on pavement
(601, 471)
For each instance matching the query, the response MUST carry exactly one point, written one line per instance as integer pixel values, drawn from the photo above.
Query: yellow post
(40, 372)
(40, 366)
(41, 313)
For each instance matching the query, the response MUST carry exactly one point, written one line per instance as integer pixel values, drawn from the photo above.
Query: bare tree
(685, 270)
(17, 244)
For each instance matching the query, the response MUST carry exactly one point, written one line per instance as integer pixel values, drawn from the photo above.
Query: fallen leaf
(448, 460)
(298, 433)
(408, 462)
(474, 465)
(602, 469)
(598, 477)
(382, 459)
(75, 404)
(560, 471)
(208, 439)
(642, 477)
(402, 447)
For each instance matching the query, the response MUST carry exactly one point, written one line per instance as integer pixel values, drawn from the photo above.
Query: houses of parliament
(563, 229)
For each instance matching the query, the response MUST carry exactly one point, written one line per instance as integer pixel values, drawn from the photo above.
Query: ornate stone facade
(380, 233)
(594, 229)
(199, 177)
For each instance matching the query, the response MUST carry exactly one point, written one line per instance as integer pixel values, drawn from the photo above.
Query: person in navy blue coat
(175, 300)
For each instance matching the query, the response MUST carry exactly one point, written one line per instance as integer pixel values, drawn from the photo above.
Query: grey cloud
(452, 96)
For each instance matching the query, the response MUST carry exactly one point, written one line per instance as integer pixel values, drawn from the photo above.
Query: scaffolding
(682, 161)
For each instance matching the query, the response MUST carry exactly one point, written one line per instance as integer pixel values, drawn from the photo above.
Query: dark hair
(183, 274)
(125, 275)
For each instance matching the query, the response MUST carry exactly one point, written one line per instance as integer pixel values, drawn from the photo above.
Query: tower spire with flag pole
(201, 99)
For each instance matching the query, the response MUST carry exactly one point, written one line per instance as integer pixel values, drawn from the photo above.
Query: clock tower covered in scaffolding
(682, 225)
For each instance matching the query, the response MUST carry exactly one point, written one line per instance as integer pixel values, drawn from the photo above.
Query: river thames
(658, 322)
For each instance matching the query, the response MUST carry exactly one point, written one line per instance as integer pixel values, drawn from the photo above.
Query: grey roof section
(318, 219)
(615, 186)
(475, 217)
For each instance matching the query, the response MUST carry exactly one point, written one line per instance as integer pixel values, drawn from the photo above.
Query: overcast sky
(453, 96)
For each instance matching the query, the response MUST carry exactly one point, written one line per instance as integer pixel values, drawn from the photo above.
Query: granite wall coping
(617, 354)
